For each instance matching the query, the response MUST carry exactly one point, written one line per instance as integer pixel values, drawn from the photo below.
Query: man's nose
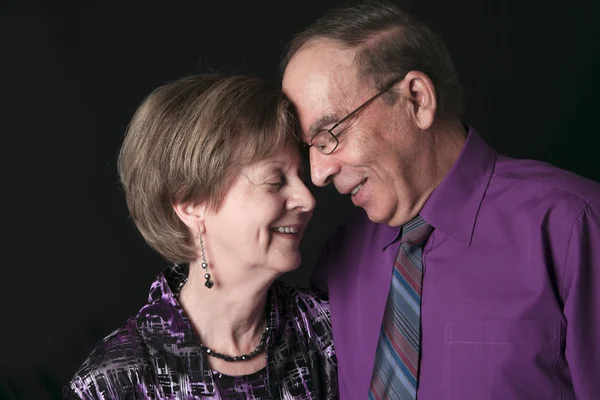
(322, 168)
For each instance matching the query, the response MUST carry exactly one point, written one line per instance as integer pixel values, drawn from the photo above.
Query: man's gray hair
(389, 43)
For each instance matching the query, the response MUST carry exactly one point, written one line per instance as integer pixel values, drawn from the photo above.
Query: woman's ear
(192, 215)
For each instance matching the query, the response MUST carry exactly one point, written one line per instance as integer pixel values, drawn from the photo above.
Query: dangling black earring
(209, 284)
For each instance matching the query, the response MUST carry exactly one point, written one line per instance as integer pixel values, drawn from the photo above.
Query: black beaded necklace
(225, 357)
(243, 357)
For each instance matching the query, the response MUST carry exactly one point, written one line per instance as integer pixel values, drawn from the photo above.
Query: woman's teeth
(285, 229)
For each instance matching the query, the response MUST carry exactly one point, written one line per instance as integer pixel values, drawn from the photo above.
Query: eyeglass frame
(350, 115)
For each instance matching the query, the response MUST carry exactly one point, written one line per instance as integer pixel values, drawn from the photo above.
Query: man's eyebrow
(320, 123)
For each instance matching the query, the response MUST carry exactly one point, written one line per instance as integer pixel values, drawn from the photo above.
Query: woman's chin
(288, 265)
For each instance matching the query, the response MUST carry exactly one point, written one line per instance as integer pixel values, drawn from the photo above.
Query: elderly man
(466, 275)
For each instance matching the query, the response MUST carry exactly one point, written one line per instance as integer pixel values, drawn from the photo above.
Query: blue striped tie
(397, 358)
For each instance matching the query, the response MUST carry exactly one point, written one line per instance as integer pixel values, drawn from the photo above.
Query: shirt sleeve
(329, 376)
(321, 325)
(581, 294)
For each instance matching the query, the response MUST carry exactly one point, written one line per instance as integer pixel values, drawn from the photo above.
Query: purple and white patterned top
(251, 386)
(155, 355)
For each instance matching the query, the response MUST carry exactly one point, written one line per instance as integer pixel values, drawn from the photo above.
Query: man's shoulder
(540, 178)
(116, 364)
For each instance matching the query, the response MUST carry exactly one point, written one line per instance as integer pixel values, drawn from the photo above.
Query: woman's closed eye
(278, 183)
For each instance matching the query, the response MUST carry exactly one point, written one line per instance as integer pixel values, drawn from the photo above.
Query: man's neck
(450, 137)
(446, 140)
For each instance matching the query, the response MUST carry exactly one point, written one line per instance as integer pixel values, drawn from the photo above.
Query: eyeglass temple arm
(366, 103)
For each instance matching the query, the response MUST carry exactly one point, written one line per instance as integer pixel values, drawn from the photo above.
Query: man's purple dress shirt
(511, 289)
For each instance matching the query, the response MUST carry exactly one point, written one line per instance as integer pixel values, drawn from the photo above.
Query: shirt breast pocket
(502, 359)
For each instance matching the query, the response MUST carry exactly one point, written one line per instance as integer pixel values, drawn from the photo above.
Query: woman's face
(262, 217)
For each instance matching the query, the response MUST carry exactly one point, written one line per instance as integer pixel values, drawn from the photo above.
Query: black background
(72, 74)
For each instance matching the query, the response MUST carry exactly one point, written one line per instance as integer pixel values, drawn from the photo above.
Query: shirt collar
(454, 204)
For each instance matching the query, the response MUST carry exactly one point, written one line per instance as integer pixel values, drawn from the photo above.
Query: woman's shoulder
(303, 297)
(119, 363)
(304, 309)
(305, 314)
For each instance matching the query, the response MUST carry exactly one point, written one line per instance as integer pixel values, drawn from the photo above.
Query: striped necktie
(396, 366)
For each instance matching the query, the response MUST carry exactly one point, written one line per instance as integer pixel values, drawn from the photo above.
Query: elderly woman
(213, 181)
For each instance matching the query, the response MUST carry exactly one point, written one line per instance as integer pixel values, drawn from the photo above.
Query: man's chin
(390, 218)
(377, 217)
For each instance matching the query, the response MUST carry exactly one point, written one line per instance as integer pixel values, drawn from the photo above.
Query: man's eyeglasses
(325, 141)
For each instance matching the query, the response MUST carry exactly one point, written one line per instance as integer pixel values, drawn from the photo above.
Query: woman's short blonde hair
(187, 141)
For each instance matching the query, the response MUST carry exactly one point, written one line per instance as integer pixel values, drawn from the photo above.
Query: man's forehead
(324, 61)
(319, 83)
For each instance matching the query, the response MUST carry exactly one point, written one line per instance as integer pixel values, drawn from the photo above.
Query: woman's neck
(229, 318)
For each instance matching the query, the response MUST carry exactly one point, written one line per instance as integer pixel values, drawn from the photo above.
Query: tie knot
(416, 231)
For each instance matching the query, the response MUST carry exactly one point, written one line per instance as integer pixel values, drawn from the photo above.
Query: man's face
(380, 157)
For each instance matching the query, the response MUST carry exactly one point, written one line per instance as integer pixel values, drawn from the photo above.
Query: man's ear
(192, 215)
(419, 89)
